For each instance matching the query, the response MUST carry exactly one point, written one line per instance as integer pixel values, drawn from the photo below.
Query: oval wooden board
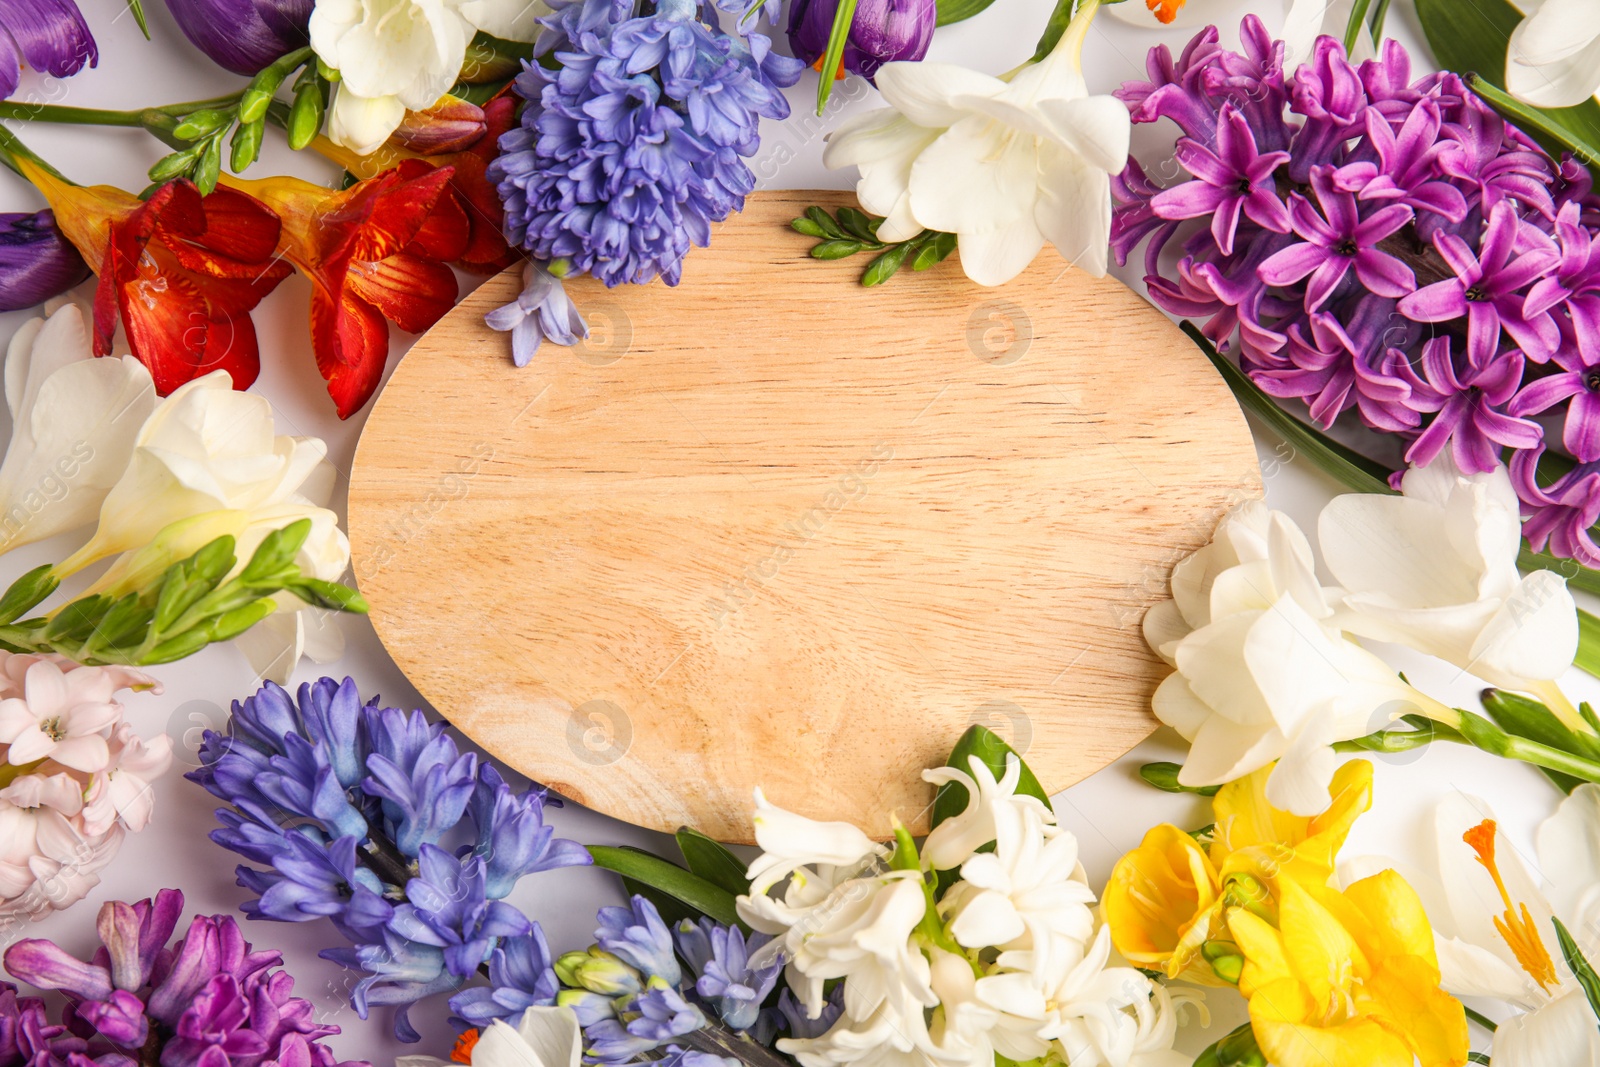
(771, 528)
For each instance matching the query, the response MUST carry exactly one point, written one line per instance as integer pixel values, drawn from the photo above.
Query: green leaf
(1553, 128)
(1379, 15)
(1581, 970)
(703, 896)
(887, 265)
(834, 54)
(27, 592)
(672, 911)
(934, 251)
(825, 222)
(960, 10)
(1472, 38)
(711, 861)
(1588, 658)
(1352, 29)
(809, 228)
(1060, 19)
(835, 249)
(859, 224)
(1164, 776)
(989, 747)
(137, 10)
(276, 551)
(1238, 1049)
(1528, 718)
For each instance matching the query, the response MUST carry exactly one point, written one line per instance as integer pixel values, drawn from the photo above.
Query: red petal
(401, 208)
(413, 293)
(486, 251)
(351, 342)
(174, 337)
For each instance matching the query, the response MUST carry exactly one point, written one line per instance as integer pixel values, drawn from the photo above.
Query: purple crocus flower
(36, 261)
(243, 35)
(47, 35)
(1336, 240)
(1468, 399)
(1489, 289)
(1233, 180)
(882, 31)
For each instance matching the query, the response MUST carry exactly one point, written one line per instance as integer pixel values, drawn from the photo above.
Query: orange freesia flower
(373, 252)
(486, 251)
(1166, 10)
(182, 271)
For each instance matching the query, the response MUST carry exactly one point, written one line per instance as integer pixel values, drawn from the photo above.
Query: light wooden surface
(770, 528)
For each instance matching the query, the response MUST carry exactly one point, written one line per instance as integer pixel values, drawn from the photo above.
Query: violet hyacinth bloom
(881, 31)
(207, 1001)
(1468, 398)
(1234, 179)
(1406, 166)
(1336, 240)
(1562, 515)
(45, 35)
(1489, 290)
(541, 312)
(243, 35)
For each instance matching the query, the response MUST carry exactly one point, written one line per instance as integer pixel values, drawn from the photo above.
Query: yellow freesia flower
(1166, 900)
(1348, 979)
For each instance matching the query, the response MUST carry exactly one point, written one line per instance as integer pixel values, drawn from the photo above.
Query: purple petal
(1581, 434)
(1225, 223)
(1381, 224)
(1292, 264)
(51, 35)
(1204, 164)
(1325, 279)
(1483, 331)
(1310, 225)
(118, 926)
(46, 965)
(1266, 209)
(1383, 274)
(1439, 367)
(243, 35)
(1431, 441)
(1189, 200)
(1439, 302)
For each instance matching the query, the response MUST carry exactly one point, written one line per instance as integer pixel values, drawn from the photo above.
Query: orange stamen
(468, 1041)
(1519, 932)
(1166, 10)
(838, 75)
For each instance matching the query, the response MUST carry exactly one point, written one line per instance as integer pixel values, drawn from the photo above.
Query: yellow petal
(1254, 838)
(1320, 951)
(1404, 997)
(1398, 924)
(1160, 901)
(1262, 947)
(1284, 1020)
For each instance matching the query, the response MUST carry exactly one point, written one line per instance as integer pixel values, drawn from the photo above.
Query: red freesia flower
(181, 271)
(486, 251)
(375, 253)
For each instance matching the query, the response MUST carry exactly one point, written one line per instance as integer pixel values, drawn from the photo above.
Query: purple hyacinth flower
(1233, 180)
(520, 977)
(1498, 159)
(1575, 283)
(36, 261)
(1559, 516)
(881, 31)
(542, 311)
(1336, 240)
(637, 936)
(1328, 92)
(720, 955)
(1134, 219)
(1578, 384)
(446, 908)
(1176, 90)
(513, 838)
(1406, 170)
(1489, 289)
(243, 35)
(1468, 399)
(47, 35)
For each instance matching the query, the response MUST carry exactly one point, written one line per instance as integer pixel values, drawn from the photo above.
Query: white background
(1109, 812)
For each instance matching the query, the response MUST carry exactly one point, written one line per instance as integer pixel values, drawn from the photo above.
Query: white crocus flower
(394, 55)
(1495, 933)
(73, 423)
(1436, 570)
(1007, 164)
(1554, 56)
(1267, 676)
(542, 1037)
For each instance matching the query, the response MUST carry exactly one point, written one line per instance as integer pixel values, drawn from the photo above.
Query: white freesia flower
(394, 55)
(1495, 933)
(1007, 164)
(543, 1037)
(73, 422)
(1554, 56)
(1436, 570)
(1266, 676)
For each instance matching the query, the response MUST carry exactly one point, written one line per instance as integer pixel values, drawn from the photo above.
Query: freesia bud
(451, 125)
(243, 35)
(36, 261)
(882, 31)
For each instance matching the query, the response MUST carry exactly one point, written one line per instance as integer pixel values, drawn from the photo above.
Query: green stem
(1060, 19)
(94, 116)
(1379, 15)
(834, 54)
(12, 149)
(1482, 1020)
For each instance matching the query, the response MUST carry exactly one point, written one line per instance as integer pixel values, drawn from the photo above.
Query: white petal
(996, 256)
(1470, 970)
(934, 94)
(1397, 546)
(884, 145)
(501, 1046)
(1560, 1034)
(1532, 638)
(1074, 209)
(1175, 704)
(1224, 751)
(976, 177)
(362, 123)
(1300, 783)
(1164, 625)
(1213, 660)
(987, 919)
(1569, 849)
(1553, 59)
(509, 20)
(1096, 129)
(553, 1034)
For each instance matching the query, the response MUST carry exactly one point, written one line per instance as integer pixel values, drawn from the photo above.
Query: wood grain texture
(770, 528)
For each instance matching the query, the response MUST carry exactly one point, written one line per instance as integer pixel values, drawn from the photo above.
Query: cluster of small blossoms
(689, 996)
(74, 777)
(206, 1001)
(628, 152)
(372, 818)
(1384, 244)
(1008, 960)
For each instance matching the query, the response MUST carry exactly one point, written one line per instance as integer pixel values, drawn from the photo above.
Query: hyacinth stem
(386, 860)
